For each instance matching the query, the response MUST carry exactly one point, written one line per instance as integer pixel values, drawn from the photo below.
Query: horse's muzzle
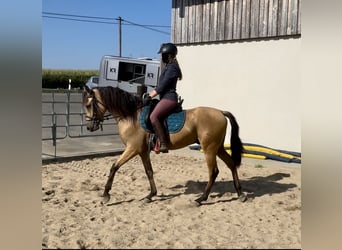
(93, 125)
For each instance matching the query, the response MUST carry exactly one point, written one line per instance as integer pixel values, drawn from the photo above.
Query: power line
(104, 18)
(80, 20)
(94, 17)
(67, 17)
(146, 27)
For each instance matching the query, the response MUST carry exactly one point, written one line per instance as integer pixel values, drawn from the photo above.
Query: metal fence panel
(63, 118)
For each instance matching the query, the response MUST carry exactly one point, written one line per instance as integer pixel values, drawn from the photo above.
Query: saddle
(173, 123)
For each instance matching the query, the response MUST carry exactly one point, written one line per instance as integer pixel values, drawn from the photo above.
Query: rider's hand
(147, 100)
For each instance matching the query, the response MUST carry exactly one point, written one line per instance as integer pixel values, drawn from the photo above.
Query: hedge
(59, 79)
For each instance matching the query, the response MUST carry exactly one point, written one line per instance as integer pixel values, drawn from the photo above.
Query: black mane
(122, 103)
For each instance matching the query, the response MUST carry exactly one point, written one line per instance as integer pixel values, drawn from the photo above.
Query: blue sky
(68, 44)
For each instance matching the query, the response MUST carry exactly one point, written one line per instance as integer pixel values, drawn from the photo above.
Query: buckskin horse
(204, 125)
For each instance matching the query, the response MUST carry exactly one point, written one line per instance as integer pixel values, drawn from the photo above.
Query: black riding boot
(160, 132)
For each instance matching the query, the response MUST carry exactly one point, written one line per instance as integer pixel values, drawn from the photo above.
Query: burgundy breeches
(162, 109)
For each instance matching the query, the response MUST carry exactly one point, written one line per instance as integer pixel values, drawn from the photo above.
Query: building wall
(200, 21)
(258, 81)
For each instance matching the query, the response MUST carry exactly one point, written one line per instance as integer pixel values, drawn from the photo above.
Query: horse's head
(94, 108)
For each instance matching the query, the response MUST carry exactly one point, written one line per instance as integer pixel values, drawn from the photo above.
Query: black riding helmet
(168, 48)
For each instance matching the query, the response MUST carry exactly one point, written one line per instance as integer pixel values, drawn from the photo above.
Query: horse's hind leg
(210, 157)
(145, 157)
(225, 157)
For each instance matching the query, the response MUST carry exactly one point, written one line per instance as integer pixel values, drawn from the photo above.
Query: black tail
(235, 142)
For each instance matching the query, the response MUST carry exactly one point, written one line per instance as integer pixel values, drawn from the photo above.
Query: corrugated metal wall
(200, 21)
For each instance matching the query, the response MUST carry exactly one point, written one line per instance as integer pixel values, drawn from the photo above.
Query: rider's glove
(147, 100)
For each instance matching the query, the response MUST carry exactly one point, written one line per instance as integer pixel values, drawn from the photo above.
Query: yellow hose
(260, 149)
(266, 150)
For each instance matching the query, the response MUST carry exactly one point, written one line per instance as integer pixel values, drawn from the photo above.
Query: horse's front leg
(145, 157)
(108, 187)
(124, 157)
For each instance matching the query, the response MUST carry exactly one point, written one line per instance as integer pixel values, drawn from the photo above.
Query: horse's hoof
(197, 203)
(243, 197)
(106, 198)
(147, 200)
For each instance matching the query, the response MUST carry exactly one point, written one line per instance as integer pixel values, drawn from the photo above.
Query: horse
(203, 125)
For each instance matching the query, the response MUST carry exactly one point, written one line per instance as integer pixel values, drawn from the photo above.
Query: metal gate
(63, 125)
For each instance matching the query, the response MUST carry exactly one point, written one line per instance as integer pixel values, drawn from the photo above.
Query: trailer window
(95, 79)
(133, 72)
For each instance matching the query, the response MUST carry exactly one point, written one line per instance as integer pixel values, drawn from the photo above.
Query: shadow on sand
(255, 187)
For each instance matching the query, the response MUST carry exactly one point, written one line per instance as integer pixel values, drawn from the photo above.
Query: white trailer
(134, 75)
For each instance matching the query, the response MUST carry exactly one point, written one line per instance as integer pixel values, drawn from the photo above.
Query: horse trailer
(134, 75)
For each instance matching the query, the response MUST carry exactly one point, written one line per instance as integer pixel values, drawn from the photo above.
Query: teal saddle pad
(174, 122)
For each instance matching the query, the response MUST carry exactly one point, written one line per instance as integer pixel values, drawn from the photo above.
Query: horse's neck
(121, 120)
(128, 129)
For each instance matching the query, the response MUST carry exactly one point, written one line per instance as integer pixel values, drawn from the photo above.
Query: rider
(166, 90)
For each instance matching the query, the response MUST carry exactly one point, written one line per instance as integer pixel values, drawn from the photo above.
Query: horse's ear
(86, 88)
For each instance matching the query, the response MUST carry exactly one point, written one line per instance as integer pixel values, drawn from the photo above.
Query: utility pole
(120, 38)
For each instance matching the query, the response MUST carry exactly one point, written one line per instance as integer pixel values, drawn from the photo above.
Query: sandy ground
(73, 215)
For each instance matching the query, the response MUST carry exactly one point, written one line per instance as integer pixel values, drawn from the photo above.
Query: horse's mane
(122, 103)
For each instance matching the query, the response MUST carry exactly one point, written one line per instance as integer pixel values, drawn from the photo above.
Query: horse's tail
(235, 142)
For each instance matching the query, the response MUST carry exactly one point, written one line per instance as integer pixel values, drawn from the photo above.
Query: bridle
(95, 118)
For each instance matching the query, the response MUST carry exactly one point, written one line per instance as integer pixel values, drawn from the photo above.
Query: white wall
(258, 81)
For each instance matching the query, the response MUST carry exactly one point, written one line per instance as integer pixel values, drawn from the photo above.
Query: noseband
(95, 118)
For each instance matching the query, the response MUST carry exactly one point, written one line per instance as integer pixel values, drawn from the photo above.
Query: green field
(59, 79)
